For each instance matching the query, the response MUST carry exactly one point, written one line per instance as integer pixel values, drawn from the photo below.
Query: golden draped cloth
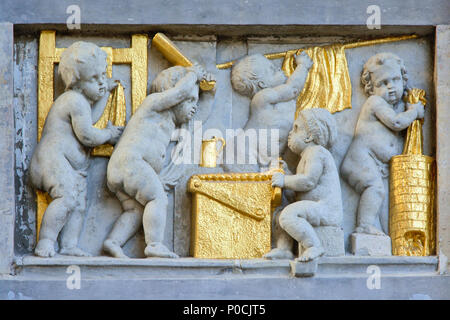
(328, 83)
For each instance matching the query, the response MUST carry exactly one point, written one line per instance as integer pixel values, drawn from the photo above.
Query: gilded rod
(174, 56)
(280, 55)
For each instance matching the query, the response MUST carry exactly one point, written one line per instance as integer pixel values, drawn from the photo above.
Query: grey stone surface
(25, 116)
(442, 78)
(233, 287)
(7, 135)
(396, 283)
(371, 245)
(332, 239)
(231, 12)
(101, 267)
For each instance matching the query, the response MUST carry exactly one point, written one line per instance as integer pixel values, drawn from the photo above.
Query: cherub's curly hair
(74, 58)
(167, 79)
(245, 75)
(320, 125)
(373, 63)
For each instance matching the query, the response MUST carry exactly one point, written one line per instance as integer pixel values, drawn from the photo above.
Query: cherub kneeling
(316, 183)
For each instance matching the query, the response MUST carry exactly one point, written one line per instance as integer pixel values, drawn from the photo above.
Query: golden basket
(412, 185)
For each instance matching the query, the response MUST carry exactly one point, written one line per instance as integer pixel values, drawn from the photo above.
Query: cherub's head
(253, 73)
(83, 68)
(384, 75)
(167, 79)
(312, 127)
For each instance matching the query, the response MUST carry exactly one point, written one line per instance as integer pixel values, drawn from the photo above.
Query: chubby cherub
(61, 158)
(316, 183)
(377, 138)
(273, 102)
(138, 158)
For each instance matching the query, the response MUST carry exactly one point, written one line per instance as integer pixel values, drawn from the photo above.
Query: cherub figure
(273, 101)
(377, 137)
(138, 158)
(61, 158)
(316, 183)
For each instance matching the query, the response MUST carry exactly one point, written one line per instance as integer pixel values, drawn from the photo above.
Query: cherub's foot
(113, 249)
(74, 251)
(157, 249)
(311, 254)
(278, 253)
(369, 229)
(45, 248)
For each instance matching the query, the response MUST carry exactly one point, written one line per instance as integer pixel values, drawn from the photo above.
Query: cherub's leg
(53, 221)
(295, 219)
(369, 205)
(284, 241)
(154, 197)
(70, 234)
(125, 227)
(154, 222)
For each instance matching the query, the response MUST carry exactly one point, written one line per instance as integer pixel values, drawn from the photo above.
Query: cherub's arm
(387, 115)
(308, 180)
(161, 101)
(80, 113)
(289, 90)
(304, 181)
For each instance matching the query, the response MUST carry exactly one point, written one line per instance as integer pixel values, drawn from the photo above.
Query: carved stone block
(332, 239)
(303, 269)
(370, 245)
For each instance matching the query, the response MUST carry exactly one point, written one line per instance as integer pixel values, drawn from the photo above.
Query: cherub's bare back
(278, 116)
(145, 138)
(327, 191)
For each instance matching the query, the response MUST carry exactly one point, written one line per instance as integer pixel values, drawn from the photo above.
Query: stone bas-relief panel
(230, 110)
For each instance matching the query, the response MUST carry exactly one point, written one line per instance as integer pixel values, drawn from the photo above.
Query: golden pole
(174, 55)
(280, 55)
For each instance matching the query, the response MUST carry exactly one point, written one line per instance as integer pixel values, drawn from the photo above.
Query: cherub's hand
(275, 164)
(211, 90)
(419, 107)
(284, 166)
(115, 131)
(198, 70)
(112, 84)
(278, 180)
(303, 60)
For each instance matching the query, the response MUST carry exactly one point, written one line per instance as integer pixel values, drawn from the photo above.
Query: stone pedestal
(332, 239)
(303, 269)
(370, 245)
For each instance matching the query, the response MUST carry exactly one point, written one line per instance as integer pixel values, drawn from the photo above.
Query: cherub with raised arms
(316, 183)
(377, 138)
(138, 158)
(273, 101)
(61, 158)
